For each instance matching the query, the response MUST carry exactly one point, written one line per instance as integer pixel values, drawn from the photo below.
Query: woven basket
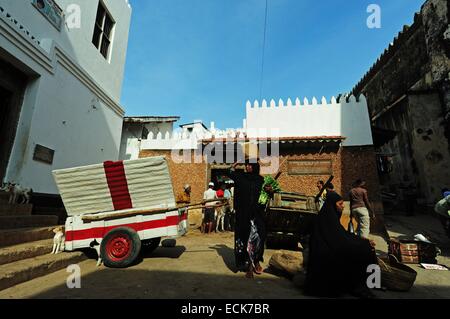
(396, 276)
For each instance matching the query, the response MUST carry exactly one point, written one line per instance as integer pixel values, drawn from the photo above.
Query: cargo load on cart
(117, 208)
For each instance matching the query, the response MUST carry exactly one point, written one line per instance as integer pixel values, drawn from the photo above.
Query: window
(103, 31)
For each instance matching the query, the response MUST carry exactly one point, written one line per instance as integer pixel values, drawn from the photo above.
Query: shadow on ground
(142, 284)
(160, 252)
(227, 255)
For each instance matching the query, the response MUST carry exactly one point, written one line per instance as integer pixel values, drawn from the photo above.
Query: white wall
(327, 118)
(131, 137)
(175, 141)
(77, 43)
(71, 103)
(156, 128)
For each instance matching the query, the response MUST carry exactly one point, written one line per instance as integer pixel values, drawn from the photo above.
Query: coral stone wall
(306, 184)
(193, 174)
(348, 164)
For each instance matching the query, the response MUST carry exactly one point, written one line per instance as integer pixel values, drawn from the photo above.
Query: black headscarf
(338, 260)
(256, 167)
(332, 199)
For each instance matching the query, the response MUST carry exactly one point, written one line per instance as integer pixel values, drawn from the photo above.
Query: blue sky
(201, 59)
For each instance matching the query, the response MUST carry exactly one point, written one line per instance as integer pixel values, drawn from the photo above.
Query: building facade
(306, 142)
(408, 92)
(135, 129)
(62, 65)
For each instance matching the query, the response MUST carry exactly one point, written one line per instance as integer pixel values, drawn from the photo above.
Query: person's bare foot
(258, 269)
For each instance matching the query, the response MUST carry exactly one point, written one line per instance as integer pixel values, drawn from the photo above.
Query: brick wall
(306, 184)
(348, 164)
(360, 162)
(193, 174)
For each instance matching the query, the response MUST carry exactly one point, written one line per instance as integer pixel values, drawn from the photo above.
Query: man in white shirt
(209, 217)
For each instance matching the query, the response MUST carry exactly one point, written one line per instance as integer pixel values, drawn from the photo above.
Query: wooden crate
(413, 252)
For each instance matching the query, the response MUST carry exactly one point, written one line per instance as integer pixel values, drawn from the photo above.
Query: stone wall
(193, 174)
(306, 184)
(360, 163)
(348, 164)
(408, 91)
(400, 67)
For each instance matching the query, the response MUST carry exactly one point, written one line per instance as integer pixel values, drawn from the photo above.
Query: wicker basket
(396, 276)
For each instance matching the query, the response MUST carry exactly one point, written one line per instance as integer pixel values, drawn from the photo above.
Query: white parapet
(178, 140)
(348, 117)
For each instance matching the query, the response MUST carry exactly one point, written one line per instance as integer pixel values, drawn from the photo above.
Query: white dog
(16, 192)
(58, 241)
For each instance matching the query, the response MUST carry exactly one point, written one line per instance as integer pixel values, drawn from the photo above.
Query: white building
(135, 129)
(186, 137)
(345, 117)
(61, 70)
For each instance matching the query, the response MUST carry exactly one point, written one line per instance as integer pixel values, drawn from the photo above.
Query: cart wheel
(150, 245)
(120, 247)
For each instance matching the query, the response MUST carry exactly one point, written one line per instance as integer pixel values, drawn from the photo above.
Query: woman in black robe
(338, 260)
(247, 190)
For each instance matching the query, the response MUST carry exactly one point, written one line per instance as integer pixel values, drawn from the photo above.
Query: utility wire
(263, 53)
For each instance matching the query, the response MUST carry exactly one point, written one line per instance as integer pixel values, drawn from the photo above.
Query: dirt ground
(199, 267)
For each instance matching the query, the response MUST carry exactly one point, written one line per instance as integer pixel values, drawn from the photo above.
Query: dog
(58, 241)
(16, 193)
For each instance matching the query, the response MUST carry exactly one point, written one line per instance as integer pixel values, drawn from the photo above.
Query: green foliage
(268, 181)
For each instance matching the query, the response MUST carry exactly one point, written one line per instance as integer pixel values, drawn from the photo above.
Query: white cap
(211, 184)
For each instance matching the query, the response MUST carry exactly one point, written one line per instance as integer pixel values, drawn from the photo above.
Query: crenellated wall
(184, 140)
(347, 117)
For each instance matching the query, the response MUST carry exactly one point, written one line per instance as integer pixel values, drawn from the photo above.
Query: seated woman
(338, 260)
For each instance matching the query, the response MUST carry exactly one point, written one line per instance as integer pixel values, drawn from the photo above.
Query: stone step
(15, 210)
(11, 222)
(24, 251)
(25, 270)
(60, 213)
(4, 197)
(9, 237)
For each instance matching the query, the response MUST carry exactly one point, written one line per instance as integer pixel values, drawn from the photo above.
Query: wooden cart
(289, 220)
